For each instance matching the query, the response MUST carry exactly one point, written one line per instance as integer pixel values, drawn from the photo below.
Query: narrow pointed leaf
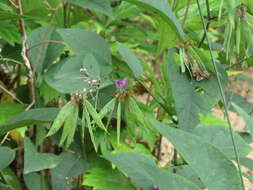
(61, 117)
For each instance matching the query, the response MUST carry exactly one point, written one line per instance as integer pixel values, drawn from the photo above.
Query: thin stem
(223, 96)
(186, 12)
(4, 139)
(25, 57)
(10, 60)
(208, 24)
(161, 104)
(239, 62)
(12, 95)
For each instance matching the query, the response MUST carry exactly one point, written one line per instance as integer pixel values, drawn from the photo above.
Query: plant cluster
(90, 88)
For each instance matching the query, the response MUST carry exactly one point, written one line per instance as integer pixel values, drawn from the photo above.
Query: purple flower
(155, 187)
(121, 84)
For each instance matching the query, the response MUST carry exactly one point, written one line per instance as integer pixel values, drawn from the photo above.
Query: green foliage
(34, 161)
(146, 174)
(8, 156)
(198, 153)
(61, 63)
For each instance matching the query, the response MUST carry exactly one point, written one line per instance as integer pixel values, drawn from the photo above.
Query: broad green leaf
(60, 118)
(7, 110)
(102, 6)
(215, 170)
(66, 77)
(163, 9)
(247, 162)
(33, 181)
(94, 115)
(165, 40)
(84, 41)
(187, 172)
(35, 161)
(143, 171)
(7, 156)
(45, 47)
(219, 136)
(70, 166)
(239, 100)
(107, 179)
(11, 179)
(30, 117)
(247, 118)
(132, 61)
(189, 103)
(69, 127)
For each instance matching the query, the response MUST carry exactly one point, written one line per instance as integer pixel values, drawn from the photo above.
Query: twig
(11, 94)
(13, 4)
(10, 60)
(4, 139)
(25, 57)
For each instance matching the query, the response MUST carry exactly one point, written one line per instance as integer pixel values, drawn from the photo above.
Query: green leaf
(189, 103)
(247, 118)
(107, 179)
(210, 163)
(108, 108)
(30, 117)
(219, 136)
(144, 172)
(7, 110)
(33, 181)
(84, 41)
(247, 162)
(165, 40)
(43, 48)
(187, 172)
(60, 118)
(7, 156)
(49, 94)
(67, 78)
(130, 59)
(86, 122)
(69, 127)
(94, 115)
(70, 166)
(34, 161)
(11, 179)
(102, 6)
(239, 100)
(9, 32)
(162, 9)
